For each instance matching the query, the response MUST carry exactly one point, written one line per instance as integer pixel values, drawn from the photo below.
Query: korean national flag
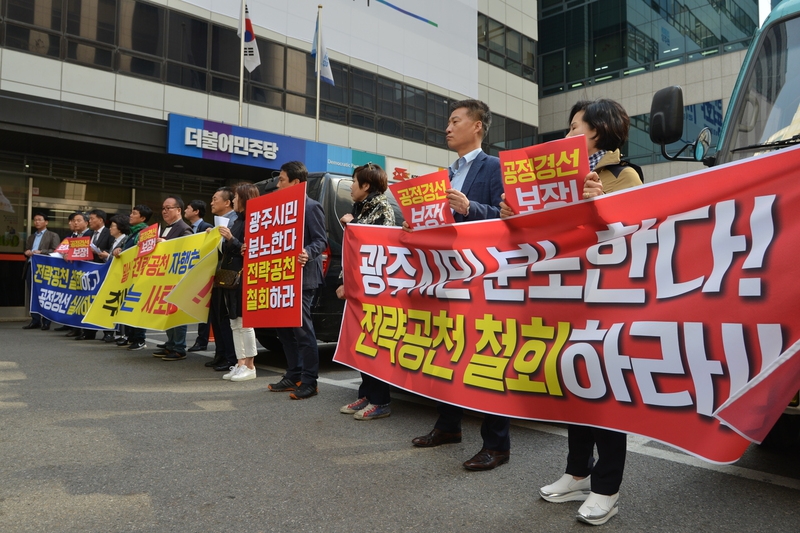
(251, 57)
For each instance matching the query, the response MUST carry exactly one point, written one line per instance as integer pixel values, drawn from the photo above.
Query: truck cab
(763, 115)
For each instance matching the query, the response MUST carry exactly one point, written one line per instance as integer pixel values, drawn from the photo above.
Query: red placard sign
(423, 201)
(79, 249)
(272, 281)
(148, 238)
(545, 175)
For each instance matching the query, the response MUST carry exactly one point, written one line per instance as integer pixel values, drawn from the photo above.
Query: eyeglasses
(170, 207)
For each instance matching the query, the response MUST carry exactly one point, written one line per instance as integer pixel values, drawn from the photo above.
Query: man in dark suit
(102, 241)
(175, 347)
(194, 213)
(81, 224)
(40, 241)
(475, 194)
(218, 319)
(300, 344)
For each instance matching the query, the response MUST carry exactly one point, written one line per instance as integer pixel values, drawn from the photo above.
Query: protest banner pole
(319, 65)
(242, 24)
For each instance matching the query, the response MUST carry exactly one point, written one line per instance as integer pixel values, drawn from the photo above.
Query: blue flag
(327, 73)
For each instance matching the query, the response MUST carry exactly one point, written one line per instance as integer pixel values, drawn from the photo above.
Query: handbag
(227, 279)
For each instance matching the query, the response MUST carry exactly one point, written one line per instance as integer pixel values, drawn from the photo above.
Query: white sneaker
(567, 489)
(232, 372)
(597, 508)
(244, 374)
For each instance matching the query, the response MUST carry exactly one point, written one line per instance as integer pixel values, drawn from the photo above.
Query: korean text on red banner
(273, 278)
(651, 311)
(546, 175)
(423, 201)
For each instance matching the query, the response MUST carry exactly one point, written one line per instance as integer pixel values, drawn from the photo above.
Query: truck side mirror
(666, 116)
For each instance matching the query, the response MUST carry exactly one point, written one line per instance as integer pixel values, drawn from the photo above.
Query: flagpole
(319, 63)
(242, 25)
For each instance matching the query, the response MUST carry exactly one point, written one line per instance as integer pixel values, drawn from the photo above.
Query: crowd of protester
(476, 193)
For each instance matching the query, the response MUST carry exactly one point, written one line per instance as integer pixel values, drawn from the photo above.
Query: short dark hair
(43, 215)
(99, 213)
(607, 118)
(295, 170)
(122, 223)
(476, 110)
(373, 176)
(245, 191)
(78, 214)
(143, 210)
(227, 194)
(178, 200)
(199, 206)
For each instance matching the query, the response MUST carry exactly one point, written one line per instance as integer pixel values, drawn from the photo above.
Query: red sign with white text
(79, 249)
(423, 200)
(545, 175)
(148, 238)
(667, 310)
(272, 285)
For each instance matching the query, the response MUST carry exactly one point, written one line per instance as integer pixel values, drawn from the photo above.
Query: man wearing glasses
(175, 347)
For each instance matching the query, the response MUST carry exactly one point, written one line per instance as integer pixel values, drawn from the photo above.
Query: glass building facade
(153, 42)
(588, 42)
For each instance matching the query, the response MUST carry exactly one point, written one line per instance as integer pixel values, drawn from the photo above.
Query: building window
(505, 48)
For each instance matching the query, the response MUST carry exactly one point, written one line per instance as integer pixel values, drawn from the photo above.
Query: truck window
(768, 106)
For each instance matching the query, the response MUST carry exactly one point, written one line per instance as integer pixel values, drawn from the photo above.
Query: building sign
(204, 139)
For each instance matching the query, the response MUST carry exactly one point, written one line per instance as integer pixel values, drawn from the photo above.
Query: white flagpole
(319, 61)
(242, 25)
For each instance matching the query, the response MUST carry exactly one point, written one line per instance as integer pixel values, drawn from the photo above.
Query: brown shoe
(435, 438)
(487, 460)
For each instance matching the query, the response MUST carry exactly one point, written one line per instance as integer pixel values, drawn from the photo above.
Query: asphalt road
(94, 438)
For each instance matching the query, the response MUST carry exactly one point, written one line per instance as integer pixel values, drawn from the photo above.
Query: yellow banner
(135, 290)
(192, 294)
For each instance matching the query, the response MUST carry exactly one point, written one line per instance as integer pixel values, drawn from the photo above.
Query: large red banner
(272, 286)
(642, 311)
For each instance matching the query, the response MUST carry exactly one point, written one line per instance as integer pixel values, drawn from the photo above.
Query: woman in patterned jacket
(370, 207)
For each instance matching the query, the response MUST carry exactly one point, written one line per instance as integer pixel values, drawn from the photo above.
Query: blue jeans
(300, 346)
(176, 339)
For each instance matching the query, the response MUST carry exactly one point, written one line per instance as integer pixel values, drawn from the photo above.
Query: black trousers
(611, 449)
(221, 324)
(495, 429)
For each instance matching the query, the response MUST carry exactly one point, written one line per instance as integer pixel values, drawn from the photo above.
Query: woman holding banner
(370, 207)
(605, 125)
(244, 339)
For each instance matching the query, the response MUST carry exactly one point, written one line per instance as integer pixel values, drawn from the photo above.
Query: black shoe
(32, 325)
(108, 337)
(86, 337)
(161, 353)
(80, 337)
(284, 385)
(197, 348)
(62, 328)
(174, 356)
(138, 345)
(73, 332)
(306, 390)
(123, 341)
(45, 327)
(218, 360)
(223, 366)
(160, 345)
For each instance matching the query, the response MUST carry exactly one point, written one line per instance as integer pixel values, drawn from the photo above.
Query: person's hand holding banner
(79, 249)
(546, 175)
(148, 238)
(423, 200)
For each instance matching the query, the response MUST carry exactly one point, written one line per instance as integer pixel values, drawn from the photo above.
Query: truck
(763, 115)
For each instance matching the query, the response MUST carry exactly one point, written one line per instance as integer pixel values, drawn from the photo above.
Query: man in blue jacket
(475, 194)
(300, 344)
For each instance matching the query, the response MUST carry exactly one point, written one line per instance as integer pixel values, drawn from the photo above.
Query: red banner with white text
(642, 311)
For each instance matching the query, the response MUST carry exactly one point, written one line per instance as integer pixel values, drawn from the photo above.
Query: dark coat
(483, 186)
(315, 241)
(104, 242)
(232, 260)
(203, 226)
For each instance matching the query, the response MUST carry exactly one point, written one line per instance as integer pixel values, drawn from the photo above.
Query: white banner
(436, 42)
